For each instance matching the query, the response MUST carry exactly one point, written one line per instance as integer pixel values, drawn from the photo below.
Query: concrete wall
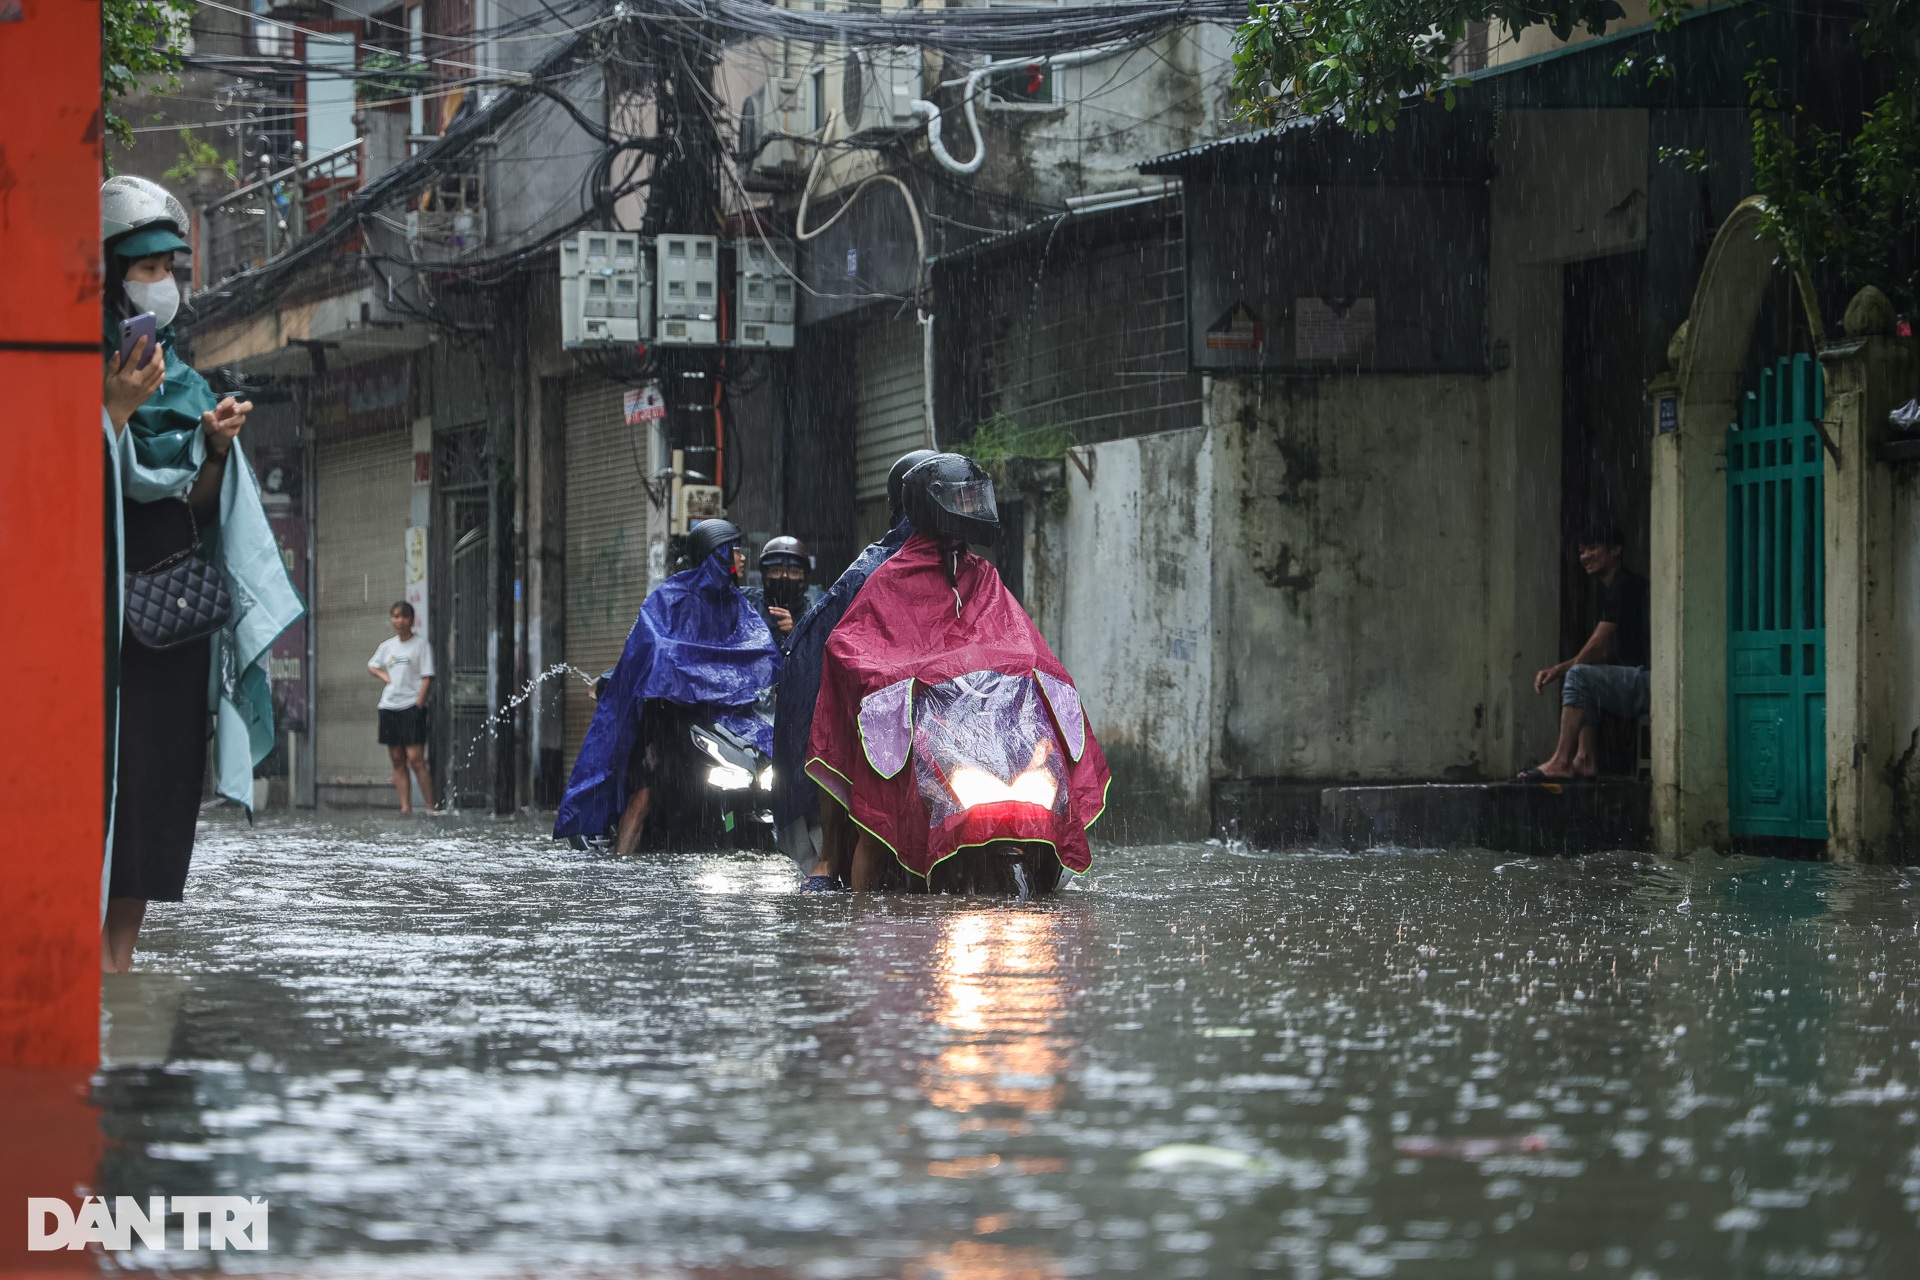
(1350, 588)
(1120, 579)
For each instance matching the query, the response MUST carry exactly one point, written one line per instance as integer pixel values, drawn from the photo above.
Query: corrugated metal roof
(1496, 77)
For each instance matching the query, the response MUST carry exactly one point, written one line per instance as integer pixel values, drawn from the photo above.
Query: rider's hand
(223, 423)
(128, 386)
(782, 618)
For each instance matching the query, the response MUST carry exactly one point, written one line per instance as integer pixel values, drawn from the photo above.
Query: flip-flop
(1534, 778)
(821, 884)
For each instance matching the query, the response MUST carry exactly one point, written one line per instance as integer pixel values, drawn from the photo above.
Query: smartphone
(134, 329)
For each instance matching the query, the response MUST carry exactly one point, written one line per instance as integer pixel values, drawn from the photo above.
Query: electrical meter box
(687, 269)
(764, 298)
(606, 298)
(693, 503)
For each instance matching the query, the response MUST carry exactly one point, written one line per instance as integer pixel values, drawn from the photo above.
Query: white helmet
(129, 204)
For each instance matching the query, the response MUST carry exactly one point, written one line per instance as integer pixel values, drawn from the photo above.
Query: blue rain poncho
(794, 795)
(698, 642)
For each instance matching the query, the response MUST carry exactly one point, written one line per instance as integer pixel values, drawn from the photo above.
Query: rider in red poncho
(944, 721)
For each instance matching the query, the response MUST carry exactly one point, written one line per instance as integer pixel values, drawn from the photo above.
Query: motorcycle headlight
(709, 748)
(729, 777)
(971, 786)
(766, 778)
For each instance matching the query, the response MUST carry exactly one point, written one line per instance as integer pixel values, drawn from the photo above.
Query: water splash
(490, 728)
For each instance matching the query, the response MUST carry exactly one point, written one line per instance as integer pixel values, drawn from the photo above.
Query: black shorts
(406, 727)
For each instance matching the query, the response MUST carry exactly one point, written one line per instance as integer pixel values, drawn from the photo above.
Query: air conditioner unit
(606, 297)
(877, 89)
(687, 290)
(763, 298)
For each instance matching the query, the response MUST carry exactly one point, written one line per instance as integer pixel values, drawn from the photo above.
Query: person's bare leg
(1586, 763)
(417, 762)
(866, 862)
(121, 931)
(401, 785)
(633, 823)
(1561, 764)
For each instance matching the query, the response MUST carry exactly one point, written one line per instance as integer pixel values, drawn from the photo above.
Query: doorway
(1605, 471)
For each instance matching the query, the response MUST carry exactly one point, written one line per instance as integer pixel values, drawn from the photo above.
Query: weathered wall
(1350, 586)
(1120, 580)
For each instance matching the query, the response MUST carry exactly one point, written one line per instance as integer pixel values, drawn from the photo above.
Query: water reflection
(461, 1050)
(1001, 994)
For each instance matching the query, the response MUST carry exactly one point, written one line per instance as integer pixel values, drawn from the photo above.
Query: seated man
(698, 647)
(1610, 671)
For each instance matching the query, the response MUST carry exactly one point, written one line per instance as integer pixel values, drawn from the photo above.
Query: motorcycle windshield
(982, 739)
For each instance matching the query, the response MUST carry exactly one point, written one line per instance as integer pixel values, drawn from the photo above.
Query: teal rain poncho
(158, 456)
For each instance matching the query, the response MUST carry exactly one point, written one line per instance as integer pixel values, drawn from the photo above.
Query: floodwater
(457, 1049)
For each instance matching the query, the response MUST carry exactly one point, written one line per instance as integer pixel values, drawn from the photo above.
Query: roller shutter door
(607, 517)
(889, 413)
(362, 493)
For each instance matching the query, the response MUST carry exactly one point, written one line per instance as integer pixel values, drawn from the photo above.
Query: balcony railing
(266, 218)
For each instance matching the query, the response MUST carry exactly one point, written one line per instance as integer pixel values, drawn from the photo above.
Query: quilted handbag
(182, 599)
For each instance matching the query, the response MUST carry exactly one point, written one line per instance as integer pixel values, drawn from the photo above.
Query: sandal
(821, 884)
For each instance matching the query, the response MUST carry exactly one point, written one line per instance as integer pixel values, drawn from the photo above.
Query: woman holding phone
(179, 486)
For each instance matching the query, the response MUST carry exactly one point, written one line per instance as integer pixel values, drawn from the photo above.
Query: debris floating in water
(1191, 1155)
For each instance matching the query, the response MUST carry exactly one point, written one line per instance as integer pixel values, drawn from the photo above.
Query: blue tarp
(698, 642)
(794, 795)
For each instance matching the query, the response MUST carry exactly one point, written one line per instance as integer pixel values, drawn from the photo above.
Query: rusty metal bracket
(1085, 466)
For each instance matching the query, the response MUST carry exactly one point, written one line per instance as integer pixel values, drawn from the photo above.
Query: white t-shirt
(406, 663)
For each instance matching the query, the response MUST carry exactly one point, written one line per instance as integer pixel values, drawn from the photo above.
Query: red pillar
(52, 619)
(51, 624)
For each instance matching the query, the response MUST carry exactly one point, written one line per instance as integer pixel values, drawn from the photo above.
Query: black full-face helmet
(951, 496)
(708, 537)
(895, 476)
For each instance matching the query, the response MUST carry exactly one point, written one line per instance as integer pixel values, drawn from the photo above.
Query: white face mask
(162, 297)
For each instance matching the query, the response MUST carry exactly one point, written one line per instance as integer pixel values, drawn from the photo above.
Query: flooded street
(457, 1048)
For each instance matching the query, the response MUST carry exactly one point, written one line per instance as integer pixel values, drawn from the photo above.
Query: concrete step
(1571, 818)
(1504, 816)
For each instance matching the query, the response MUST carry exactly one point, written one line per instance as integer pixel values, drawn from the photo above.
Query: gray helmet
(951, 496)
(785, 550)
(139, 218)
(708, 537)
(906, 463)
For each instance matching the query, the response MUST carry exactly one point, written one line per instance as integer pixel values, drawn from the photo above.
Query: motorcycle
(714, 789)
(990, 753)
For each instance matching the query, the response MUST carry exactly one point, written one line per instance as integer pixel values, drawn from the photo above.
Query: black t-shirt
(1623, 602)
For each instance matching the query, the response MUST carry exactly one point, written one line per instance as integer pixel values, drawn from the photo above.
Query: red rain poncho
(940, 729)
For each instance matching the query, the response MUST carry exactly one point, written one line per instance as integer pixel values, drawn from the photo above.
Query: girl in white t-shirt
(405, 665)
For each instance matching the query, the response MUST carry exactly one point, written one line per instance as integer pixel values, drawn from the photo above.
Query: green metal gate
(1776, 608)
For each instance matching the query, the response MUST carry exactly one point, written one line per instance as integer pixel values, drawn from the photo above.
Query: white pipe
(971, 86)
(926, 374)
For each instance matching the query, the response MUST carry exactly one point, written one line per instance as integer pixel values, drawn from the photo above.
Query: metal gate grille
(471, 754)
(1776, 608)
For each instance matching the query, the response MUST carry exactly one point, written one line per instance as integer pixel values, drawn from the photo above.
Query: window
(818, 112)
(749, 127)
(1022, 84)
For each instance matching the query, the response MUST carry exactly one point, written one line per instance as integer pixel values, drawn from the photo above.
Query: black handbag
(183, 598)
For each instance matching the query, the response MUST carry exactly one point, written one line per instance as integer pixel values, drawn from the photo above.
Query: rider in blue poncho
(698, 643)
(796, 800)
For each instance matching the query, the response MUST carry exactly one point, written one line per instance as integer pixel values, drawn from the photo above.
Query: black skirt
(164, 725)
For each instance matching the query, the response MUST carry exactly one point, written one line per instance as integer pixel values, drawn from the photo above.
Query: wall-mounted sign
(1333, 330)
(1237, 330)
(644, 404)
(1666, 414)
